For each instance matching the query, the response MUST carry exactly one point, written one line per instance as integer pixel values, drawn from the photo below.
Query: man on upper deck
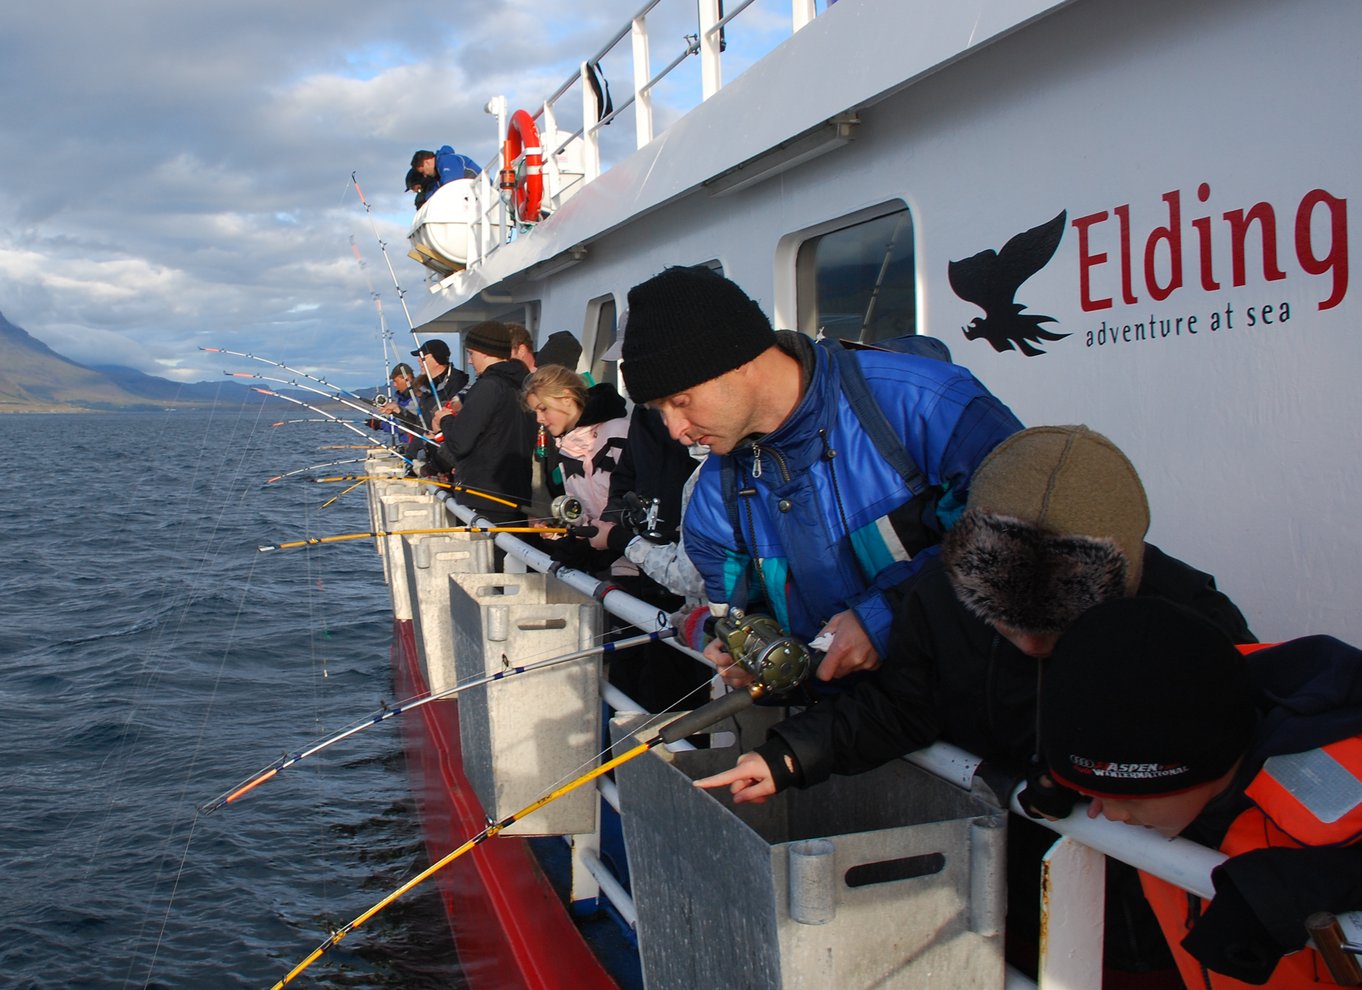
(807, 505)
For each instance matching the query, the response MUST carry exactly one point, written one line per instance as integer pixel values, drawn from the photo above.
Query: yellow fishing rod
(423, 481)
(687, 725)
(757, 643)
(343, 537)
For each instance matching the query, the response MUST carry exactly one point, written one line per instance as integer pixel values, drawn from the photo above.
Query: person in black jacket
(1054, 524)
(489, 440)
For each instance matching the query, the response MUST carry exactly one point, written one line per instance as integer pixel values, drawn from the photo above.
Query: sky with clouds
(177, 174)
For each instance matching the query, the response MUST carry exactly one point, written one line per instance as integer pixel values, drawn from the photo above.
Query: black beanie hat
(1143, 698)
(489, 337)
(686, 326)
(561, 348)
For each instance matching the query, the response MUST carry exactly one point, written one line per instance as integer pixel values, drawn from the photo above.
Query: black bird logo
(990, 280)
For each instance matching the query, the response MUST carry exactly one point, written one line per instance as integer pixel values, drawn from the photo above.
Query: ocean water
(151, 658)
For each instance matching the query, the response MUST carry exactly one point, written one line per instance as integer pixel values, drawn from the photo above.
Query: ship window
(858, 282)
(602, 337)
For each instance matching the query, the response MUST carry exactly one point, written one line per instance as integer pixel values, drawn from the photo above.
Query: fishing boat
(1133, 216)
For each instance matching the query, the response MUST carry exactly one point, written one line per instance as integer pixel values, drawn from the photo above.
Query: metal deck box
(890, 878)
(524, 735)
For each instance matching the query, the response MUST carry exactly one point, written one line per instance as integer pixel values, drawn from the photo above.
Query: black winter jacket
(490, 442)
(949, 676)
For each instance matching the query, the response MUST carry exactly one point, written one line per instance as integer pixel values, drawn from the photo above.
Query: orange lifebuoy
(522, 138)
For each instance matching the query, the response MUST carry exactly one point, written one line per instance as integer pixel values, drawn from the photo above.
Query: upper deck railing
(572, 120)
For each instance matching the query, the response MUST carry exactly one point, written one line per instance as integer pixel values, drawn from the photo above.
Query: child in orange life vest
(1149, 710)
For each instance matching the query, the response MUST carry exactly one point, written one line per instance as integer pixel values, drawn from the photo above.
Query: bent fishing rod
(315, 467)
(401, 293)
(777, 661)
(419, 701)
(373, 443)
(294, 371)
(370, 410)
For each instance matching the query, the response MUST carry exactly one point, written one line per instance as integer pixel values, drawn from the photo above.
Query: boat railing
(575, 152)
(1074, 878)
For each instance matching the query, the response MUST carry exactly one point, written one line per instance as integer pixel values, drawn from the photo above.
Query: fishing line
(419, 701)
(384, 334)
(175, 628)
(565, 784)
(397, 285)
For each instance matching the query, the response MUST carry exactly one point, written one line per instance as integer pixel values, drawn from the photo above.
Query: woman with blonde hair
(589, 427)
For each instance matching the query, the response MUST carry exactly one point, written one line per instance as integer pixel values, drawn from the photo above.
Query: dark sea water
(152, 658)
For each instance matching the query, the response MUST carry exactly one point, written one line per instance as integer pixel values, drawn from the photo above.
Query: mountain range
(35, 378)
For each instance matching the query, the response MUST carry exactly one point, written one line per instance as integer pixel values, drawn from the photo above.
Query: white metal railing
(573, 159)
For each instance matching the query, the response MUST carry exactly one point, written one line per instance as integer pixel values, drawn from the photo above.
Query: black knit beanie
(1143, 698)
(686, 326)
(490, 337)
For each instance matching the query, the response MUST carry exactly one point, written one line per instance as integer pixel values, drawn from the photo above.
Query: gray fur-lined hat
(1055, 524)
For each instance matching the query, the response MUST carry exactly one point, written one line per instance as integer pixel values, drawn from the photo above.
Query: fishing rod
(345, 491)
(401, 293)
(564, 508)
(384, 334)
(777, 661)
(294, 422)
(335, 419)
(419, 701)
(344, 537)
(369, 409)
(294, 371)
(315, 467)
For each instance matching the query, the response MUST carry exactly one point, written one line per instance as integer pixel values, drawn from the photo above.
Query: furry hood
(1055, 523)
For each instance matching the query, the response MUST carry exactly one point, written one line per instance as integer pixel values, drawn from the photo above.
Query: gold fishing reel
(757, 644)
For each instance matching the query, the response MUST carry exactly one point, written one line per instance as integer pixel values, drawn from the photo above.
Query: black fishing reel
(380, 400)
(759, 646)
(642, 517)
(566, 509)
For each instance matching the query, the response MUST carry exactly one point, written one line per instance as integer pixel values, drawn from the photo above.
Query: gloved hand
(1043, 798)
(1230, 939)
(694, 626)
(642, 518)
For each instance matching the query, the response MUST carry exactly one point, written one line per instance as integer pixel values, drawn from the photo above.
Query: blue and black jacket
(824, 522)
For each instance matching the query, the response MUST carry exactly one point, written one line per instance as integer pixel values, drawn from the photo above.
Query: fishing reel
(380, 400)
(759, 646)
(566, 509)
(642, 517)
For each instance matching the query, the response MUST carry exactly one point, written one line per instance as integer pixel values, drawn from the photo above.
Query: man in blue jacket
(834, 475)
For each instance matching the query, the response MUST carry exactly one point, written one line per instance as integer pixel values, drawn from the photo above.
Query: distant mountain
(35, 378)
(162, 390)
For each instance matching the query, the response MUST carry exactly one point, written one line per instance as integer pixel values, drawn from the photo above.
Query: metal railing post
(711, 74)
(643, 95)
(591, 134)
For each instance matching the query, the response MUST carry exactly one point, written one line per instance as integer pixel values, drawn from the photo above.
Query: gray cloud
(177, 174)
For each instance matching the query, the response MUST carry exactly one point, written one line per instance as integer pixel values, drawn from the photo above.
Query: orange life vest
(1301, 799)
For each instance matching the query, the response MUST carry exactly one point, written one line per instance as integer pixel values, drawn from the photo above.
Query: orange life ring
(522, 138)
